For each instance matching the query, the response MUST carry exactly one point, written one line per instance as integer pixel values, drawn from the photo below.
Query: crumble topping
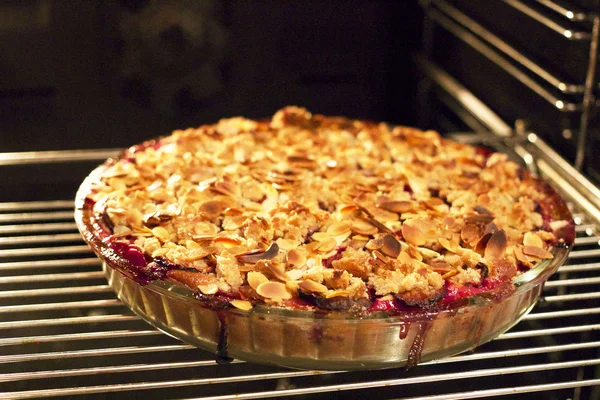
(329, 210)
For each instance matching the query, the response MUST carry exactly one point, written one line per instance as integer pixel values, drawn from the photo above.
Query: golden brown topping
(531, 239)
(274, 291)
(296, 258)
(537, 252)
(413, 235)
(397, 206)
(496, 245)
(391, 246)
(333, 207)
(241, 304)
(363, 227)
(312, 286)
(253, 258)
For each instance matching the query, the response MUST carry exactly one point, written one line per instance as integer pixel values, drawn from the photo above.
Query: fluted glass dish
(324, 339)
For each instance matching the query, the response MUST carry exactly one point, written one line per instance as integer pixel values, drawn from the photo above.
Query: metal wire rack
(63, 333)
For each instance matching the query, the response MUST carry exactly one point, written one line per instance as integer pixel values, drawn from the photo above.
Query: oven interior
(518, 75)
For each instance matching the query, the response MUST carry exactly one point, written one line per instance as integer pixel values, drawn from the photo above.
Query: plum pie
(329, 226)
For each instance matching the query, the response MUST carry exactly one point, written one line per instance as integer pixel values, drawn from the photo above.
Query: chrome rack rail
(64, 333)
(565, 96)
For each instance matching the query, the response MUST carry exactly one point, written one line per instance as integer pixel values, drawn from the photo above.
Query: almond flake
(273, 290)
(253, 258)
(312, 286)
(413, 235)
(398, 206)
(537, 252)
(363, 227)
(327, 245)
(320, 236)
(496, 245)
(210, 288)
(212, 209)
(391, 247)
(337, 293)
(339, 228)
(243, 305)
(531, 239)
(255, 278)
(161, 234)
(296, 257)
(276, 269)
(470, 233)
(227, 242)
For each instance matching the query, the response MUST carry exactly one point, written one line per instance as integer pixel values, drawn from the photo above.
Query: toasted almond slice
(327, 245)
(312, 286)
(537, 252)
(339, 228)
(449, 245)
(224, 187)
(286, 244)
(199, 253)
(391, 246)
(413, 235)
(212, 209)
(479, 218)
(210, 288)
(531, 239)
(348, 210)
(339, 239)
(380, 257)
(363, 227)
(203, 238)
(255, 278)
(519, 255)
(414, 252)
(449, 274)
(374, 244)
(434, 202)
(312, 246)
(360, 238)
(276, 269)
(161, 234)
(253, 258)
(441, 267)
(227, 242)
(405, 258)
(380, 227)
(470, 233)
(237, 250)
(398, 206)
(292, 285)
(234, 223)
(233, 211)
(273, 290)
(320, 236)
(428, 253)
(379, 214)
(160, 252)
(296, 257)
(244, 305)
(190, 244)
(449, 221)
(496, 246)
(337, 293)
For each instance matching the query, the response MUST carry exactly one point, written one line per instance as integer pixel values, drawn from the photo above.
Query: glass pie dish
(319, 339)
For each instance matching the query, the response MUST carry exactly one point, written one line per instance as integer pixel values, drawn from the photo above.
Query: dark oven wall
(109, 74)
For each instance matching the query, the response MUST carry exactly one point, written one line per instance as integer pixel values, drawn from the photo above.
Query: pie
(323, 213)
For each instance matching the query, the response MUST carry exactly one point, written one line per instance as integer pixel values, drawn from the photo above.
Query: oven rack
(564, 23)
(63, 333)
